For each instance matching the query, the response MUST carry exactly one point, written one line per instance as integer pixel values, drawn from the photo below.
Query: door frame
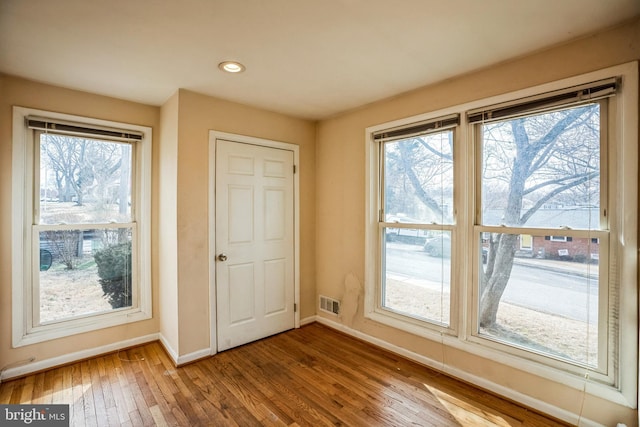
(213, 137)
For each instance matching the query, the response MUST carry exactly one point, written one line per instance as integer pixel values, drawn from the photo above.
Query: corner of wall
(165, 238)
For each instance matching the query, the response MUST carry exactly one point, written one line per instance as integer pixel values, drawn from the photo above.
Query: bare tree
(554, 154)
(65, 245)
(421, 168)
(89, 168)
(125, 179)
(65, 160)
(527, 163)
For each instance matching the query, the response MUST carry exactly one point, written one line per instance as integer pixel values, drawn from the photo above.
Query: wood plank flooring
(312, 376)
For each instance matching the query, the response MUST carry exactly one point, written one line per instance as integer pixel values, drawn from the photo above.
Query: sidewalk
(564, 267)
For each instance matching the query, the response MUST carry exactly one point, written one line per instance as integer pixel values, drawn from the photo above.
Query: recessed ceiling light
(231, 67)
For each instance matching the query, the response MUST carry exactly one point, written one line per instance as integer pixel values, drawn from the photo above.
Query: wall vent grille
(329, 305)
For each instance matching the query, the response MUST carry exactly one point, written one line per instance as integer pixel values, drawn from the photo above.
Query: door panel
(254, 228)
(241, 293)
(241, 214)
(275, 279)
(274, 215)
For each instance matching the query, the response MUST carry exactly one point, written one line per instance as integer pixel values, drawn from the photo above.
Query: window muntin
(416, 228)
(543, 170)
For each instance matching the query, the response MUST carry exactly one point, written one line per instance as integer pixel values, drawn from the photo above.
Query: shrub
(66, 244)
(581, 258)
(114, 270)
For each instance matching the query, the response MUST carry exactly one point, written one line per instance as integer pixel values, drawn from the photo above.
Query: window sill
(431, 331)
(79, 326)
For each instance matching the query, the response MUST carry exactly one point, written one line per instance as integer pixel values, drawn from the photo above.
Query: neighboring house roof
(574, 217)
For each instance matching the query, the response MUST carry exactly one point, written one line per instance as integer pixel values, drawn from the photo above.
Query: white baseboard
(186, 358)
(506, 392)
(173, 354)
(41, 365)
(308, 320)
(193, 356)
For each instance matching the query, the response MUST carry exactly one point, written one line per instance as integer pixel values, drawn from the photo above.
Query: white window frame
(621, 387)
(421, 229)
(373, 304)
(23, 330)
(604, 371)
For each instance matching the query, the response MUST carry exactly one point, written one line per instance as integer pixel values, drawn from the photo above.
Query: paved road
(536, 288)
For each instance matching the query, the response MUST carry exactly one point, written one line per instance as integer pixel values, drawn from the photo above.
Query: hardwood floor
(311, 376)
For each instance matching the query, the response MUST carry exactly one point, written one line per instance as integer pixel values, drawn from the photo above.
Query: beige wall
(180, 192)
(197, 115)
(340, 189)
(168, 222)
(24, 93)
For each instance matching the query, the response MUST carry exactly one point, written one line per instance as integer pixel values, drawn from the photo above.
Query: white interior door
(254, 229)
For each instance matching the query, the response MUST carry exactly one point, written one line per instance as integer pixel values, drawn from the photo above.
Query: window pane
(543, 299)
(84, 181)
(418, 179)
(416, 275)
(83, 272)
(543, 170)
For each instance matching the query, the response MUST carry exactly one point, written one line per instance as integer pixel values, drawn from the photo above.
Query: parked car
(46, 259)
(440, 245)
(407, 235)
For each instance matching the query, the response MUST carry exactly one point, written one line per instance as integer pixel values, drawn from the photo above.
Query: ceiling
(306, 58)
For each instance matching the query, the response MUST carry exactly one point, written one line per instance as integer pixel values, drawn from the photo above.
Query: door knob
(222, 257)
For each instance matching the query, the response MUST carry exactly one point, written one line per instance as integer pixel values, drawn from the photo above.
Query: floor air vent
(329, 305)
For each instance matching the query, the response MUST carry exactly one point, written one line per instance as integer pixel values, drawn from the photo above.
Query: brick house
(555, 246)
